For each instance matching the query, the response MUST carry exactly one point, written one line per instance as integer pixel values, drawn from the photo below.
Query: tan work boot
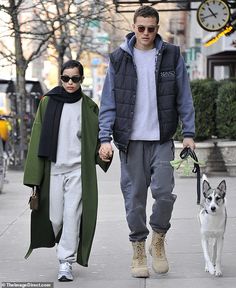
(139, 263)
(157, 250)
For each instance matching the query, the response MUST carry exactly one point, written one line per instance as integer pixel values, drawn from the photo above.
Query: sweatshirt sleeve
(107, 112)
(184, 100)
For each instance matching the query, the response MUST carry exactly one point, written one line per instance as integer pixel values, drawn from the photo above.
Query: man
(146, 91)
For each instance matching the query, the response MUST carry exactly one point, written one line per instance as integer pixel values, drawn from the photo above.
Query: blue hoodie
(184, 103)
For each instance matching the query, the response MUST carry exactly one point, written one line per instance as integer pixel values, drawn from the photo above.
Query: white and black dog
(212, 219)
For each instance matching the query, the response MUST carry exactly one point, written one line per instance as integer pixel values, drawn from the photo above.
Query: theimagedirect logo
(27, 285)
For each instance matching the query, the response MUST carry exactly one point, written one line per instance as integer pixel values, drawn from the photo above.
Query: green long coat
(37, 172)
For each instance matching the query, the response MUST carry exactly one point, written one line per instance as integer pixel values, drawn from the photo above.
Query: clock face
(213, 15)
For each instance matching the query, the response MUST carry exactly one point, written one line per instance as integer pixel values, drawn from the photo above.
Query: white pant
(65, 211)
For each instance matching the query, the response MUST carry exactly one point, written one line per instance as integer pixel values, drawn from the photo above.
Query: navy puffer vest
(125, 86)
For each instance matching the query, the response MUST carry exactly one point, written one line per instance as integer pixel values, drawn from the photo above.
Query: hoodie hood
(130, 40)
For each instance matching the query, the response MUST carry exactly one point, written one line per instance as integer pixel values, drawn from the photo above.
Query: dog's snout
(213, 208)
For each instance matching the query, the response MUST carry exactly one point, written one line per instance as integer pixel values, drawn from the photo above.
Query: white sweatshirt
(69, 139)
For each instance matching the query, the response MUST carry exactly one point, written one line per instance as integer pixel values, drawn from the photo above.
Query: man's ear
(133, 27)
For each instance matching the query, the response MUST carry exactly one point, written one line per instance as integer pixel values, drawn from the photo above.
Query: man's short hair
(146, 11)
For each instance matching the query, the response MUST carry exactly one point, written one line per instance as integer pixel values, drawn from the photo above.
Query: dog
(213, 217)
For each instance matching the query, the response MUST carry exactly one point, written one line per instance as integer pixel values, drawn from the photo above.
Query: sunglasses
(74, 79)
(141, 29)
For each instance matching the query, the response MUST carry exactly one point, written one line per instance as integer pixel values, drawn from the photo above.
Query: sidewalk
(109, 265)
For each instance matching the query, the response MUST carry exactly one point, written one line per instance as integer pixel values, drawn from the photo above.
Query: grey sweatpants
(65, 212)
(147, 164)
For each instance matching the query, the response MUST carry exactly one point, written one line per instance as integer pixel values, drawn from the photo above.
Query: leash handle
(184, 154)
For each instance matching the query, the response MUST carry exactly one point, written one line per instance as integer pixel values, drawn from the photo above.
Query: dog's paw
(218, 272)
(210, 268)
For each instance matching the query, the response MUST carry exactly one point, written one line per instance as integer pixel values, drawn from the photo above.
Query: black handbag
(34, 199)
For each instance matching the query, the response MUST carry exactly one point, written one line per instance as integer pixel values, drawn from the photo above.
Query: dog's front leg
(208, 264)
(219, 247)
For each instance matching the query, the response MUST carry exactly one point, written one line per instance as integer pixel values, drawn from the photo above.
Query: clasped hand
(105, 152)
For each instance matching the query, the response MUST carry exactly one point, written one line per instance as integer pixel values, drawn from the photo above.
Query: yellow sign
(219, 35)
(4, 129)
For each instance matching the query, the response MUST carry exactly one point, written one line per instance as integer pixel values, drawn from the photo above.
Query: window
(221, 72)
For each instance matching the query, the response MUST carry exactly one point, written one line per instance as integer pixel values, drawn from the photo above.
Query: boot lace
(158, 246)
(140, 253)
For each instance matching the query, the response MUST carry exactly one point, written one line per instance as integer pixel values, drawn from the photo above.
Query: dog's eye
(209, 198)
(218, 198)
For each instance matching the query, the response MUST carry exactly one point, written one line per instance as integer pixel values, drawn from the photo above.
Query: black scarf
(50, 127)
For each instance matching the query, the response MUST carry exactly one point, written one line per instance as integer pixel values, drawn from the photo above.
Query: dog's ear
(205, 187)
(222, 186)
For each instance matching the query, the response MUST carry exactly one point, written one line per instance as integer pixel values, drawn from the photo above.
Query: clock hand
(214, 14)
(209, 16)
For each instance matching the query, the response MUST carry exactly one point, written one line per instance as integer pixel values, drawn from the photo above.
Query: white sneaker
(65, 272)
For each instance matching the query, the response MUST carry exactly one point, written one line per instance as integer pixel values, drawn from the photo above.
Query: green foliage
(204, 94)
(187, 165)
(226, 110)
(204, 97)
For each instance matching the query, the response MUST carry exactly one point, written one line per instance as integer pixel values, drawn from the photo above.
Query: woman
(61, 162)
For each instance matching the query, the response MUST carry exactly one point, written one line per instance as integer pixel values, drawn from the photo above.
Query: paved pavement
(110, 259)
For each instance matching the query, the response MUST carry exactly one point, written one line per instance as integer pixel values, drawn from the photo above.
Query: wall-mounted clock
(213, 15)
